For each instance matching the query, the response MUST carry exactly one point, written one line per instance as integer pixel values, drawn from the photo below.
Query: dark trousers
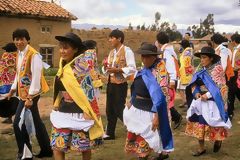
(22, 136)
(233, 91)
(116, 99)
(175, 115)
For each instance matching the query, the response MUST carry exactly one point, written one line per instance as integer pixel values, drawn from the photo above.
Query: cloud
(185, 12)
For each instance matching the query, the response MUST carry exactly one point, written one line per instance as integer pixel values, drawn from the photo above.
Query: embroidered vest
(229, 69)
(236, 60)
(120, 62)
(25, 75)
(186, 69)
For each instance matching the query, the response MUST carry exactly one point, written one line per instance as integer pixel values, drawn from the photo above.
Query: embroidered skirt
(70, 132)
(141, 140)
(205, 122)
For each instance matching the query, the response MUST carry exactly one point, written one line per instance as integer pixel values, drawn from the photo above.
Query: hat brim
(147, 52)
(215, 56)
(64, 39)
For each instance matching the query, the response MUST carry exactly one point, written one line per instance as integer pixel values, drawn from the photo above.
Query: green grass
(114, 150)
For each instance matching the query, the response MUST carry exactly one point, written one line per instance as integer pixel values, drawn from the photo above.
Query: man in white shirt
(119, 68)
(234, 83)
(28, 84)
(217, 41)
(172, 68)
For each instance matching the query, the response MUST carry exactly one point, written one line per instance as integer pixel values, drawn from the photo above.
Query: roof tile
(35, 8)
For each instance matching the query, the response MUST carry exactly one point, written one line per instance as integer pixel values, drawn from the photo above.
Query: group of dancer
(149, 115)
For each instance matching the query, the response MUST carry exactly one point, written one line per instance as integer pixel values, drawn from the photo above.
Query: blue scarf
(213, 89)
(159, 106)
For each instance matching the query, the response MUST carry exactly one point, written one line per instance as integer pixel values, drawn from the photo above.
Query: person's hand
(10, 94)
(155, 122)
(128, 104)
(198, 95)
(113, 70)
(86, 116)
(204, 97)
(28, 103)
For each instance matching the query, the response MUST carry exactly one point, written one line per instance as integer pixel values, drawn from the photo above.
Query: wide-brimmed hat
(208, 51)
(10, 47)
(148, 49)
(73, 38)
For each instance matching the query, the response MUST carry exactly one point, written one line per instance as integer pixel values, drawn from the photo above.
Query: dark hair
(20, 33)
(188, 34)
(236, 37)
(185, 43)
(117, 34)
(162, 38)
(90, 44)
(217, 38)
(10, 47)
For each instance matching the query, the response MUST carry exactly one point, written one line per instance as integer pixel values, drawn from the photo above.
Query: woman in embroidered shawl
(186, 69)
(146, 117)
(207, 116)
(75, 119)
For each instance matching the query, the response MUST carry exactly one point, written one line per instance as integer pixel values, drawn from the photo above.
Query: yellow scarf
(76, 91)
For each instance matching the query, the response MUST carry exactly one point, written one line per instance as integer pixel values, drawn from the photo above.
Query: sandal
(199, 153)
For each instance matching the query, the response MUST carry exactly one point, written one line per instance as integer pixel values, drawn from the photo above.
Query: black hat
(10, 47)
(208, 51)
(73, 38)
(148, 49)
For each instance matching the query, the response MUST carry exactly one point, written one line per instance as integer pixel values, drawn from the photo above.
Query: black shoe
(230, 117)
(162, 156)
(19, 156)
(177, 124)
(44, 154)
(109, 138)
(7, 121)
(217, 145)
(199, 153)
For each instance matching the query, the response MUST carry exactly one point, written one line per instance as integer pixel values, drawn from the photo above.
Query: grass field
(114, 150)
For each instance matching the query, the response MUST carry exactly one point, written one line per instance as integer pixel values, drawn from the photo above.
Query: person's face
(66, 51)
(114, 41)
(206, 61)
(20, 43)
(158, 45)
(148, 60)
(187, 37)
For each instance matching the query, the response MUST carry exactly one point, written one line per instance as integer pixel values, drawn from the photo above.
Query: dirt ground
(114, 150)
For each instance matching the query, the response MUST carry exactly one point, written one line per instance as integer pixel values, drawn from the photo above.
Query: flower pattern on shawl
(7, 68)
(81, 69)
(218, 75)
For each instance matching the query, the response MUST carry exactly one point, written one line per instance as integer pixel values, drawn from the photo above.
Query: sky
(137, 12)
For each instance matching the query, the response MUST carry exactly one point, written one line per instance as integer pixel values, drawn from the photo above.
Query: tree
(174, 27)
(157, 18)
(138, 27)
(164, 26)
(143, 28)
(130, 26)
(153, 27)
(206, 27)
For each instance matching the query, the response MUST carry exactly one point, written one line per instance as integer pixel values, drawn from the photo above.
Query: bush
(50, 71)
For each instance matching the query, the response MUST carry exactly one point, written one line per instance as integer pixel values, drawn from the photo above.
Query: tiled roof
(34, 8)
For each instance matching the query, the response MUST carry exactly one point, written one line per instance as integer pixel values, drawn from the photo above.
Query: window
(47, 55)
(46, 29)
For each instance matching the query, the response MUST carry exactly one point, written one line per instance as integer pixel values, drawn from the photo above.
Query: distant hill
(88, 26)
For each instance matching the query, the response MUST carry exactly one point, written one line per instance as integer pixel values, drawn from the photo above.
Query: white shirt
(130, 61)
(224, 53)
(234, 54)
(169, 54)
(36, 70)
